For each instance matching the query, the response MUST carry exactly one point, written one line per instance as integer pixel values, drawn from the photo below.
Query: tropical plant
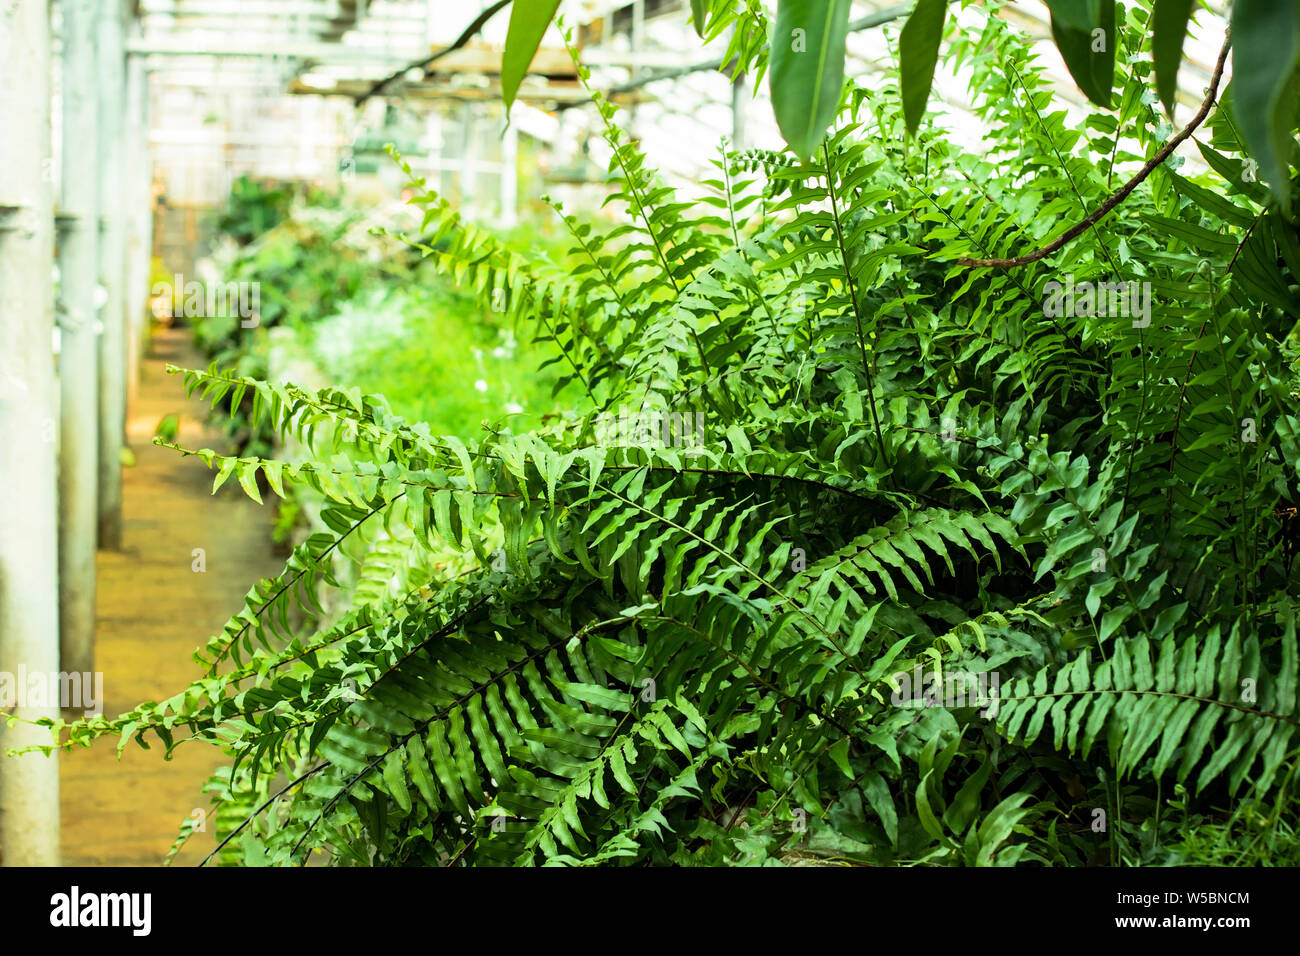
(962, 567)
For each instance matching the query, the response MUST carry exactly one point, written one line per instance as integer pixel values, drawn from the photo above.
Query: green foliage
(334, 298)
(528, 23)
(567, 648)
(253, 208)
(305, 268)
(918, 52)
(1266, 58)
(808, 69)
(436, 355)
(1168, 27)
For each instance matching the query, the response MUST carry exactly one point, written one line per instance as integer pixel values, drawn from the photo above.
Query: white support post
(79, 343)
(638, 31)
(740, 100)
(146, 198)
(468, 170)
(29, 599)
(112, 265)
(637, 44)
(138, 181)
(510, 176)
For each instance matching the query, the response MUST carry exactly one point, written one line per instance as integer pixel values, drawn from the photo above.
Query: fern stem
(1073, 501)
(848, 658)
(605, 277)
(853, 299)
(751, 286)
(288, 584)
(754, 675)
(270, 800)
(1261, 714)
(1065, 168)
(1246, 563)
(965, 233)
(460, 701)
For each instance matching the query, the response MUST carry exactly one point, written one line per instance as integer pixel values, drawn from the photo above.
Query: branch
(424, 63)
(1101, 211)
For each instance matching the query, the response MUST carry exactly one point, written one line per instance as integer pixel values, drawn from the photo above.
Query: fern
(554, 648)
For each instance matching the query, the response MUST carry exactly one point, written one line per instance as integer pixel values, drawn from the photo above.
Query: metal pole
(637, 44)
(112, 255)
(79, 343)
(638, 31)
(136, 216)
(146, 198)
(29, 594)
(510, 176)
(468, 172)
(740, 99)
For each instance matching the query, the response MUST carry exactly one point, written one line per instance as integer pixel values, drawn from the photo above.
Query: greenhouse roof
(642, 54)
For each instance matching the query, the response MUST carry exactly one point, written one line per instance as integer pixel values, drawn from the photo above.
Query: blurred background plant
(359, 310)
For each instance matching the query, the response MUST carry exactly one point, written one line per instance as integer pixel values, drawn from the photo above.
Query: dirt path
(153, 611)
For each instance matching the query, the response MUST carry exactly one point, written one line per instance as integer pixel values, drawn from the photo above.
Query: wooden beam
(529, 92)
(482, 58)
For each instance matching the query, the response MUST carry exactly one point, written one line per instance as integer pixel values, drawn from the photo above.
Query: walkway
(153, 612)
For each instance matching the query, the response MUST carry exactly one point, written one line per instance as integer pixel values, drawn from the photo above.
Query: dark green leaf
(528, 23)
(807, 69)
(1090, 54)
(1265, 52)
(918, 52)
(1076, 14)
(699, 10)
(1168, 29)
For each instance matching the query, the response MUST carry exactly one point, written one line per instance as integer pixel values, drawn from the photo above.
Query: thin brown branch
(425, 62)
(1122, 193)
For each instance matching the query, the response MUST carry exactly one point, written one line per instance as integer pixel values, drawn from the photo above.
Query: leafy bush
(303, 268)
(253, 208)
(585, 644)
(370, 317)
(421, 347)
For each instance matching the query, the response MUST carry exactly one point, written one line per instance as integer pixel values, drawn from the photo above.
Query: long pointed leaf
(918, 52)
(528, 23)
(807, 69)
